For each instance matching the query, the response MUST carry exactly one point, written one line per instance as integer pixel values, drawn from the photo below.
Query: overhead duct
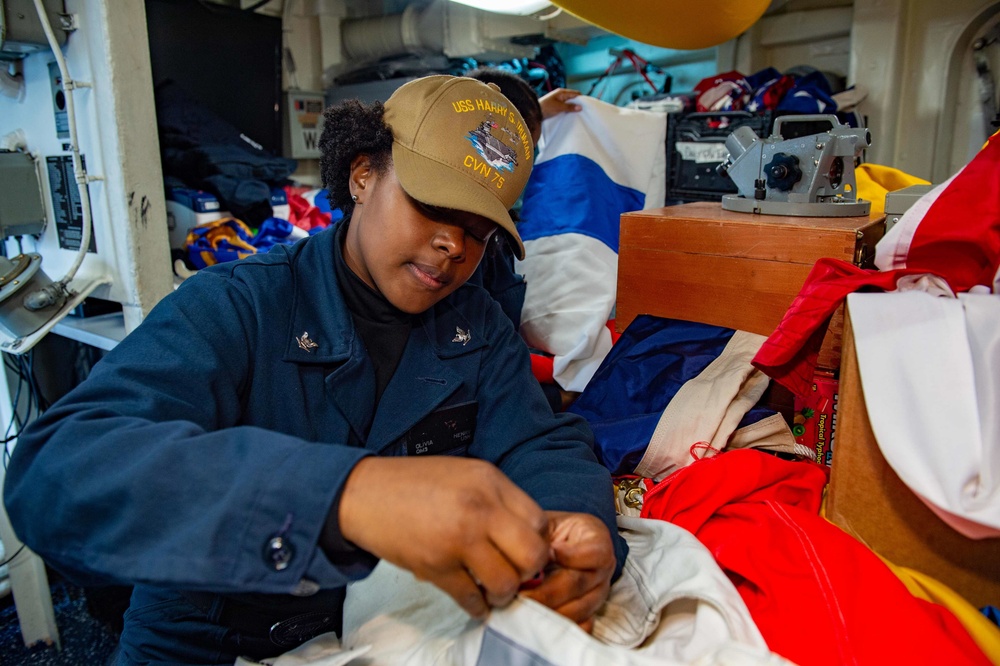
(456, 30)
(413, 31)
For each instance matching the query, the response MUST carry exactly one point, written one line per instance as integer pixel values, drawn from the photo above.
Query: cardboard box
(701, 263)
(814, 418)
(869, 501)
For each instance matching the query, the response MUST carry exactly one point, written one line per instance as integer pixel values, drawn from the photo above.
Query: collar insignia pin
(305, 343)
(462, 336)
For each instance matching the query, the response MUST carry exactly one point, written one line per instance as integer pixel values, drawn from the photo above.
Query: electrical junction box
(898, 202)
(59, 102)
(303, 122)
(21, 32)
(21, 209)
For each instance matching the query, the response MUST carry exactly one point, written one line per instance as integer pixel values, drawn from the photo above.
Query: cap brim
(437, 184)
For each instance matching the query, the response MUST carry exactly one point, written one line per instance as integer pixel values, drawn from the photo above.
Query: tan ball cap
(460, 144)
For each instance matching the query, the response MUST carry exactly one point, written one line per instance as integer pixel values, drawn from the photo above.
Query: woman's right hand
(458, 523)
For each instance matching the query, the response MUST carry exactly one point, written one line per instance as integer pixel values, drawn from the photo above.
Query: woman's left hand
(578, 578)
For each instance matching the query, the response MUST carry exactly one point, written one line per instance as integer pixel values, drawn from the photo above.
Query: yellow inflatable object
(674, 24)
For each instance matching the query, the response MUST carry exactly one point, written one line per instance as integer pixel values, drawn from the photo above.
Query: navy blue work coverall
(206, 450)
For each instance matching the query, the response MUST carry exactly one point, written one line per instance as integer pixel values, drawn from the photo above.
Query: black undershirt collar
(383, 328)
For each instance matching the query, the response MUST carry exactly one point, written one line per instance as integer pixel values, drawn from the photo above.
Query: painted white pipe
(80, 173)
(11, 85)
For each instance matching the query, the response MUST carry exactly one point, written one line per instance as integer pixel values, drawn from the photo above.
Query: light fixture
(520, 7)
(672, 24)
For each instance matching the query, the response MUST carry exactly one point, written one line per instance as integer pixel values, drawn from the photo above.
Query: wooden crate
(701, 263)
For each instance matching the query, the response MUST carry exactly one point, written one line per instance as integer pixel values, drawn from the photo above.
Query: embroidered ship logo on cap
(492, 149)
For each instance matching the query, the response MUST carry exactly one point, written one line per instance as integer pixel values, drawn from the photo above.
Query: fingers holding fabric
(455, 522)
(578, 579)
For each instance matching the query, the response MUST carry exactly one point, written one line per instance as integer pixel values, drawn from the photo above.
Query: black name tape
(445, 431)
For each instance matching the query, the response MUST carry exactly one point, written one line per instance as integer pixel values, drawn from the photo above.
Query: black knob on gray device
(783, 172)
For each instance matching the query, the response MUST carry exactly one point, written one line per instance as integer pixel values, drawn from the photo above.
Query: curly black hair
(351, 129)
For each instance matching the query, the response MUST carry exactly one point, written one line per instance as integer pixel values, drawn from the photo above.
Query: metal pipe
(79, 171)
(673, 60)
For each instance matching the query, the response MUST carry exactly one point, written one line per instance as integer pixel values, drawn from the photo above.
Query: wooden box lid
(707, 228)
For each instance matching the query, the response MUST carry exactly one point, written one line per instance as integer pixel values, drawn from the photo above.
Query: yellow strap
(983, 632)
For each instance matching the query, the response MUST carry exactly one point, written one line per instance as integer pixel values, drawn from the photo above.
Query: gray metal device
(21, 209)
(805, 168)
(20, 278)
(21, 32)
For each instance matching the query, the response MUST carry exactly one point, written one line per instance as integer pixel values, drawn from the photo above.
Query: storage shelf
(101, 331)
